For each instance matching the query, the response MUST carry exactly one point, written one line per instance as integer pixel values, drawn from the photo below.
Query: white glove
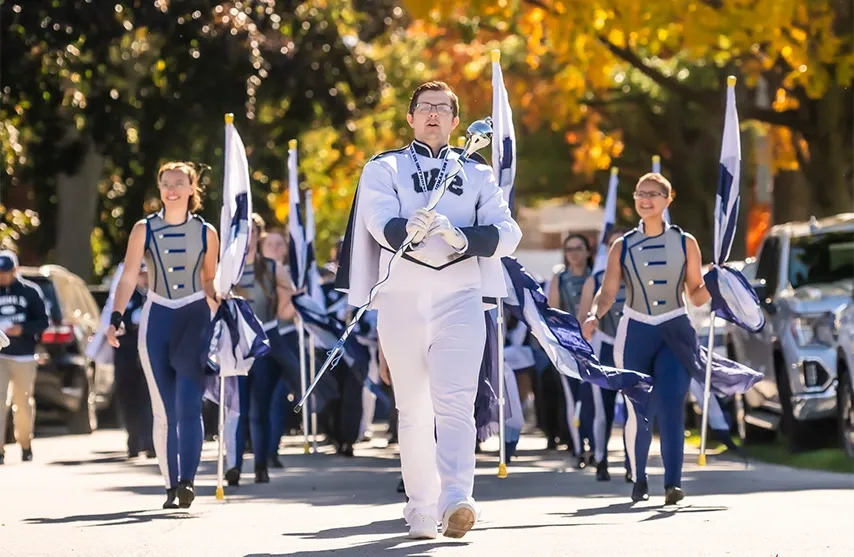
(419, 224)
(452, 235)
(4, 340)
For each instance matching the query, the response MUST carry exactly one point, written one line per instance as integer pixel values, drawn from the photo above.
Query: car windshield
(49, 296)
(821, 259)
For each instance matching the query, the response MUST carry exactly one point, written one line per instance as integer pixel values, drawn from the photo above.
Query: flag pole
(312, 368)
(701, 460)
(220, 450)
(707, 387)
(302, 372)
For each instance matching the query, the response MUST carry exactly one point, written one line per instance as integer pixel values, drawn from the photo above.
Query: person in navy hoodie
(23, 317)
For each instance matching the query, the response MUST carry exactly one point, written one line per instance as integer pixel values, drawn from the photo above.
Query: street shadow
(115, 519)
(389, 547)
(628, 508)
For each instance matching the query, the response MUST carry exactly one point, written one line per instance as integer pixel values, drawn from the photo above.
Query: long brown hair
(260, 263)
(188, 168)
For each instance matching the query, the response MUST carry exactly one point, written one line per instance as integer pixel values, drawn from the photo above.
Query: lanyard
(442, 171)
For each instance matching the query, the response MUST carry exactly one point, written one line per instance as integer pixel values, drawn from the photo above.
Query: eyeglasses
(441, 109)
(649, 194)
(172, 186)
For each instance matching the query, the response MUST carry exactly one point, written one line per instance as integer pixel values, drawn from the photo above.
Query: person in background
(23, 317)
(564, 293)
(131, 390)
(274, 246)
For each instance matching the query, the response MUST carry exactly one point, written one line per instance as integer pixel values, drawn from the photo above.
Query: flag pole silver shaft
(475, 141)
(220, 457)
(707, 391)
(502, 456)
(302, 380)
(312, 367)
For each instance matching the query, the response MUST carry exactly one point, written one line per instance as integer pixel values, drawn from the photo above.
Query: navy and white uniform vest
(570, 287)
(174, 254)
(260, 292)
(654, 271)
(608, 322)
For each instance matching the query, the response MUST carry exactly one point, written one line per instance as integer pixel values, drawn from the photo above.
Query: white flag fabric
(503, 136)
(608, 223)
(236, 336)
(312, 277)
(296, 228)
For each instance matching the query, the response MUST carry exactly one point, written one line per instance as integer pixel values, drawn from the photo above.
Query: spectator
(23, 317)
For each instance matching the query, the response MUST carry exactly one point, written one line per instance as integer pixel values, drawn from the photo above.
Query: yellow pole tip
(229, 118)
(701, 460)
(220, 494)
(292, 144)
(306, 449)
(502, 470)
(461, 141)
(656, 159)
(730, 81)
(614, 171)
(496, 55)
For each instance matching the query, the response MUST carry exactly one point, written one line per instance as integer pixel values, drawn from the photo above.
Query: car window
(768, 265)
(821, 258)
(52, 306)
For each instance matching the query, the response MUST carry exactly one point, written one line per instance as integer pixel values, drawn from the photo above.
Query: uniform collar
(425, 151)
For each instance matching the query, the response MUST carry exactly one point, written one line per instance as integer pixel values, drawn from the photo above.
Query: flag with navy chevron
(733, 299)
(608, 223)
(296, 228)
(503, 136)
(656, 167)
(234, 336)
(312, 274)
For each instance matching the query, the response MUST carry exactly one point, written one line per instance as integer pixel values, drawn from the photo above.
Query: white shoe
(422, 527)
(458, 519)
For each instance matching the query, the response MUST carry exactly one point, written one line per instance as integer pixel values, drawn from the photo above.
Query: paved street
(81, 498)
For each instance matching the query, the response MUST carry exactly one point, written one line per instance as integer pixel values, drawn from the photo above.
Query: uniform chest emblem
(455, 187)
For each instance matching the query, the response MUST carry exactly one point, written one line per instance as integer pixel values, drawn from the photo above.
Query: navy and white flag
(608, 223)
(235, 334)
(503, 135)
(733, 298)
(656, 167)
(559, 334)
(296, 228)
(312, 274)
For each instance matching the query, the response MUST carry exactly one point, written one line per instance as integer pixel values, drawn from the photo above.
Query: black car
(69, 387)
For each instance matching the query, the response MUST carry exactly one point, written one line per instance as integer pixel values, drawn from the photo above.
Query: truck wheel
(845, 407)
(84, 420)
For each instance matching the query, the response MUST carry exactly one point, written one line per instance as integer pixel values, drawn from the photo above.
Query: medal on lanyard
(442, 171)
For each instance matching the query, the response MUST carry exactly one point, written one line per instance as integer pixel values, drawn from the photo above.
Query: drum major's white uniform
(430, 311)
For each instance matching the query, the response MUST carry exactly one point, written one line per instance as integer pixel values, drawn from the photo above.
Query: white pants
(434, 342)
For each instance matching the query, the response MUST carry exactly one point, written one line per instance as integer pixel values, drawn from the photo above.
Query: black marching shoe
(170, 499)
(602, 474)
(2, 458)
(629, 478)
(673, 495)
(27, 455)
(401, 487)
(233, 477)
(581, 464)
(345, 449)
(275, 462)
(186, 494)
(551, 445)
(262, 476)
(640, 492)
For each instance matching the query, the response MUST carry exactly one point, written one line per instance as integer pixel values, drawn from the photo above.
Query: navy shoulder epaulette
(390, 151)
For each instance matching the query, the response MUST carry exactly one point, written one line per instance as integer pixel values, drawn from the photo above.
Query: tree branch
(788, 118)
(670, 83)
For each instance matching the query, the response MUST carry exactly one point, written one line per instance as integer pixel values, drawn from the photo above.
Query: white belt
(629, 313)
(174, 303)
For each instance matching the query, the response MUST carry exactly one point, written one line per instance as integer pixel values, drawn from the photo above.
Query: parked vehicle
(69, 386)
(844, 324)
(804, 273)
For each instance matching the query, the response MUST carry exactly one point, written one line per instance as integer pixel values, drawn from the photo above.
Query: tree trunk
(793, 199)
(77, 207)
